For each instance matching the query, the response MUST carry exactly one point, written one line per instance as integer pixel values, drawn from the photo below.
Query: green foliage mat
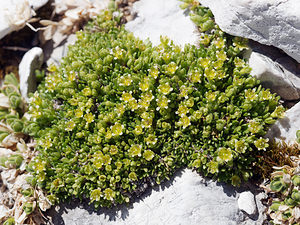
(119, 113)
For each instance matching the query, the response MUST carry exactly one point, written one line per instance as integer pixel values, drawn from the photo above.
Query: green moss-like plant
(119, 113)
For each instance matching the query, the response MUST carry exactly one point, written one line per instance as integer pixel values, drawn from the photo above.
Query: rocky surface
(15, 13)
(186, 199)
(275, 76)
(31, 61)
(270, 22)
(246, 202)
(285, 128)
(156, 18)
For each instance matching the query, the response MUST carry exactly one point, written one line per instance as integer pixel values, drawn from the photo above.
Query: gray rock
(14, 14)
(31, 61)
(274, 76)
(166, 18)
(246, 203)
(285, 129)
(187, 199)
(270, 22)
(55, 55)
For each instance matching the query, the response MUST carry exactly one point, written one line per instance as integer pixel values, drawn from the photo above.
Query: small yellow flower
(135, 150)
(182, 110)
(118, 52)
(221, 55)
(120, 109)
(145, 84)
(109, 194)
(95, 195)
(117, 129)
(108, 134)
(239, 62)
(70, 125)
(148, 155)
(205, 39)
(78, 113)
(87, 91)
(126, 97)
(147, 123)
(251, 95)
(113, 149)
(125, 80)
(211, 96)
(210, 74)
(171, 68)
(146, 115)
(204, 62)
(165, 88)
(195, 77)
(184, 121)
(147, 96)
(220, 43)
(89, 117)
(133, 104)
(184, 91)
(162, 103)
(151, 139)
(71, 76)
(138, 130)
(143, 103)
(153, 72)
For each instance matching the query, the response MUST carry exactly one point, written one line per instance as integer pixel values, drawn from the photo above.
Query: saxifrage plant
(120, 113)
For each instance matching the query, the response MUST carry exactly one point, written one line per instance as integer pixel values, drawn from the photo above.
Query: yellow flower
(182, 110)
(204, 62)
(195, 77)
(70, 125)
(148, 155)
(147, 96)
(145, 84)
(108, 134)
(221, 55)
(184, 91)
(109, 194)
(135, 150)
(171, 68)
(95, 195)
(89, 117)
(251, 95)
(143, 103)
(138, 130)
(117, 129)
(220, 43)
(113, 149)
(78, 113)
(125, 80)
(126, 97)
(162, 102)
(184, 121)
(165, 88)
(118, 52)
(210, 74)
(87, 91)
(205, 39)
(151, 139)
(120, 109)
(133, 104)
(153, 72)
(147, 122)
(71, 76)
(239, 62)
(211, 96)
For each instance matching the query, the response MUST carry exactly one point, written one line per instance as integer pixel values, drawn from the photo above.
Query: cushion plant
(119, 113)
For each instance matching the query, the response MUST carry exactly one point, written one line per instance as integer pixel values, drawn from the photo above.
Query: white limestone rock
(274, 76)
(270, 22)
(188, 199)
(166, 18)
(285, 129)
(15, 13)
(246, 203)
(31, 61)
(56, 54)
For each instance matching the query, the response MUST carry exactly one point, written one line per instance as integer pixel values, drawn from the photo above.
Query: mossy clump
(119, 113)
